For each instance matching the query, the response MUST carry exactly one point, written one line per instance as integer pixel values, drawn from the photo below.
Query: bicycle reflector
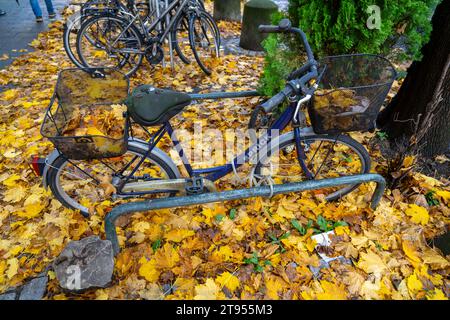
(38, 165)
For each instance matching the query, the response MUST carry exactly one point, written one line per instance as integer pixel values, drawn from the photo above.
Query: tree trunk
(227, 10)
(420, 111)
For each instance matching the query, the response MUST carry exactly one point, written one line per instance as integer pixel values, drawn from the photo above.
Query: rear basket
(86, 119)
(351, 93)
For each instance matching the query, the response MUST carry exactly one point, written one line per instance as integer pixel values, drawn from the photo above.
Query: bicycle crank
(154, 54)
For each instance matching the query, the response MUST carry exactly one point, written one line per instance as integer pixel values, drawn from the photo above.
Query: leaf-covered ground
(250, 249)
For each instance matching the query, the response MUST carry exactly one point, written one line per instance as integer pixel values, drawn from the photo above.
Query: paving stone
(18, 27)
(35, 289)
(85, 264)
(8, 296)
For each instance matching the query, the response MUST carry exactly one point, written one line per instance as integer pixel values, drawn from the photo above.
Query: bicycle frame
(215, 173)
(159, 20)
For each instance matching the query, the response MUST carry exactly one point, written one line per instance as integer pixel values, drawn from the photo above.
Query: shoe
(52, 16)
(39, 19)
(2, 12)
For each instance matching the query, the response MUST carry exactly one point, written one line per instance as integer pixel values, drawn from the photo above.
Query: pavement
(18, 27)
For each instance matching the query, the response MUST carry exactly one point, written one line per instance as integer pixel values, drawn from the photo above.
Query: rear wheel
(117, 44)
(81, 185)
(327, 156)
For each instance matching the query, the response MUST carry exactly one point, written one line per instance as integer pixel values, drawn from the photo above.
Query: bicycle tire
(120, 21)
(346, 140)
(175, 38)
(68, 202)
(206, 16)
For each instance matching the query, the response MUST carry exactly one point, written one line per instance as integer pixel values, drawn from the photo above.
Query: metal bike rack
(262, 191)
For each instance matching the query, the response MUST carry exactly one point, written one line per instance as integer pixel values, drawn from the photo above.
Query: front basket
(351, 93)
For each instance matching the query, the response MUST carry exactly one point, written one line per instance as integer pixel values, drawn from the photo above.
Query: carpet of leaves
(219, 251)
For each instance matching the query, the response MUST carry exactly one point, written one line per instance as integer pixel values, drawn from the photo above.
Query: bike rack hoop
(262, 191)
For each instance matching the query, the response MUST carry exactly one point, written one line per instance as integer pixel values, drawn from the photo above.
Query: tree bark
(420, 111)
(227, 10)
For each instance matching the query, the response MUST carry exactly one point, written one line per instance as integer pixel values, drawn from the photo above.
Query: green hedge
(339, 26)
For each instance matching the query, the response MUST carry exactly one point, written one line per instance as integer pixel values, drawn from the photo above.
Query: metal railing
(262, 191)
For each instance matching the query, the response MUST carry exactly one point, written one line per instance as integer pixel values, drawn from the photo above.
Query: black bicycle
(109, 39)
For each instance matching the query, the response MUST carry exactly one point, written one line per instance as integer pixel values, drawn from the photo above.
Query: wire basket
(86, 119)
(351, 92)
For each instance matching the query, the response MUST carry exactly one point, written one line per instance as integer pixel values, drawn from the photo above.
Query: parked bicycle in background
(111, 33)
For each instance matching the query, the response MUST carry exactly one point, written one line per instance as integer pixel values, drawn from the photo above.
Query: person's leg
(50, 9)
(36, 9)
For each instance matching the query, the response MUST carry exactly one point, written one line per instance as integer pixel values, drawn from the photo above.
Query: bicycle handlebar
(298, 78)
(285, 26)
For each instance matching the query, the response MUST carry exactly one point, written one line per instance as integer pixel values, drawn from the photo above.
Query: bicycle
(125, 39)
(91, 8)
(138, 168)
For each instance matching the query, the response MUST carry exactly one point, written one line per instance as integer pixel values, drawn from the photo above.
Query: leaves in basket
(96, 121)
(341, 109)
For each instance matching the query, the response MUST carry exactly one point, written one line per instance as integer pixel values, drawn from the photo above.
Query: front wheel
(327, 156)
(204, 38)
(82, 184)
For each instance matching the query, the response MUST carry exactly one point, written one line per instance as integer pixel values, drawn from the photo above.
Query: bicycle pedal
(194, 186)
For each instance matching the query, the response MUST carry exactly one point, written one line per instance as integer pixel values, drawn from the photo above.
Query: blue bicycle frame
(216, 173)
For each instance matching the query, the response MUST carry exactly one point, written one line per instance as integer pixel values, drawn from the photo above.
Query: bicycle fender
(308, 131)
(48, 161)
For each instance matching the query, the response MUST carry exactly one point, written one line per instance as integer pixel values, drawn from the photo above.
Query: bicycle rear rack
(262, 191)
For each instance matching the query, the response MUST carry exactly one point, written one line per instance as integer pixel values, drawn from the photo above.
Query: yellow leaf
(340, 230)
(178, 235)
(310, 244)
(436, 294)
(370, 262)
(148, 271)
(10, 94)
(332, 291)
(435, 260)
(31, 211)
(13, 267)
(224, 253)
(11, 153)
(141, 226)
(166, 257)
(101, 295)
(11, 181)
(273, 287)
(408, 161)
(93, 131)
(414, 284)
(443, 194)
(15, 194)
(418, 214)
(410, 251)
(207, 291)
(282, 212)
(228, 280)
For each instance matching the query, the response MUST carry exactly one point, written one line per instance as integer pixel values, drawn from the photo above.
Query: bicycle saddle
(151, 106)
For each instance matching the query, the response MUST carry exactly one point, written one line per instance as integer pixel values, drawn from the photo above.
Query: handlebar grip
(284, 26)
(277, 99)
(269, 29)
